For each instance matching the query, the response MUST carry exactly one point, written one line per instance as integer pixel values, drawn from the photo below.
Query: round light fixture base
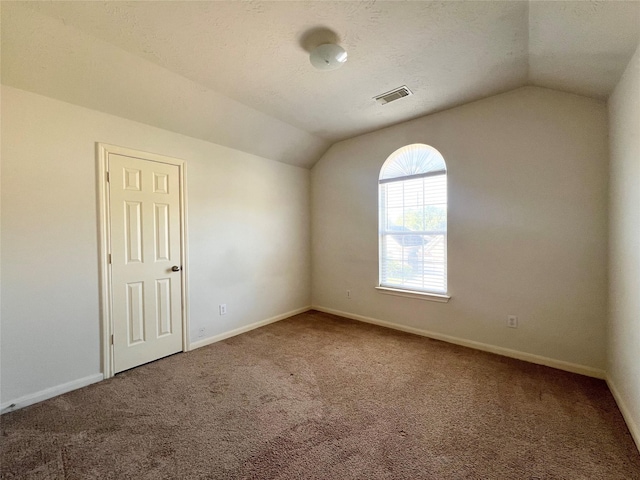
(328, 56)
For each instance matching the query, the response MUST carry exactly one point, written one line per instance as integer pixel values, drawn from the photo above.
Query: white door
(144, 201)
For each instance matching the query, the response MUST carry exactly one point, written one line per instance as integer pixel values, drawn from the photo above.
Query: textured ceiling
(581, 47)
(253, 54)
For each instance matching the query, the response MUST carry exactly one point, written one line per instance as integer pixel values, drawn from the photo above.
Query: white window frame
(416, 161)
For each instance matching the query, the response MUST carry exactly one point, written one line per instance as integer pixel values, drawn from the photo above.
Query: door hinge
(109, 259)
(111, 339)
(107, 177)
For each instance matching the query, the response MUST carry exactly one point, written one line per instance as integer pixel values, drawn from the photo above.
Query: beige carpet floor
(320, 397)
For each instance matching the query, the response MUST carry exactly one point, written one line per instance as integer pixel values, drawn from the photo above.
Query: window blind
(413, 232)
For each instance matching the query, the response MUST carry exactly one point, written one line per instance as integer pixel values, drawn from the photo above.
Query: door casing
(104, 235)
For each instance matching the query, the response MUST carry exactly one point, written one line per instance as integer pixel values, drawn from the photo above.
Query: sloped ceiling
(237, 73)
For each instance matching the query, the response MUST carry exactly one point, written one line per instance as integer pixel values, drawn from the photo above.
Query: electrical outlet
(348, 293)
(201, 332)
(223, 309)
(512, 321)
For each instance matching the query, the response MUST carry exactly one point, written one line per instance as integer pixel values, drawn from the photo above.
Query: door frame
(104, 235)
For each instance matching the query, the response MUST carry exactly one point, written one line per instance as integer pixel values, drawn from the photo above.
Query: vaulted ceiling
(238, 74)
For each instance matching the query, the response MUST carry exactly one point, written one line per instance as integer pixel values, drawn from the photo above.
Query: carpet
(318, 396)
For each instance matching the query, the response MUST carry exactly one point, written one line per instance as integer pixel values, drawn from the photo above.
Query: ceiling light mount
(328, 56)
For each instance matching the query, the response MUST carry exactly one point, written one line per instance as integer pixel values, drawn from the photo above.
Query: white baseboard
(47, 393)
(247, 328)
(634, 429)
(506, 352)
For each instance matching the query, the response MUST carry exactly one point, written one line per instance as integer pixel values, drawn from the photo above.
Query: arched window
(413, 220)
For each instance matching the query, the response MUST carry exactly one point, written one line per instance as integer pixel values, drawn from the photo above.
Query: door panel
(144, 198)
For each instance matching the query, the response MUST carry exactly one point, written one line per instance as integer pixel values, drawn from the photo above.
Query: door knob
(176, 268)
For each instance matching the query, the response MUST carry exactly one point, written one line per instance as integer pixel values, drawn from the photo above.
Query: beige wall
(248, 237)
(624, 241)
(527, 225)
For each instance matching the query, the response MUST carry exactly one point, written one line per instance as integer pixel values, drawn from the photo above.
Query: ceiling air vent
(392, 95)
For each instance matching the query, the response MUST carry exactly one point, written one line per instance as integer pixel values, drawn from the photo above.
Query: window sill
(432, 297)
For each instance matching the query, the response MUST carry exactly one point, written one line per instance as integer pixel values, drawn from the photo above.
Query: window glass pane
(413, 192)
(435, 189)
(395, 218)
(394, 194)
(415, 261)
(435, 218)
(414, 218)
